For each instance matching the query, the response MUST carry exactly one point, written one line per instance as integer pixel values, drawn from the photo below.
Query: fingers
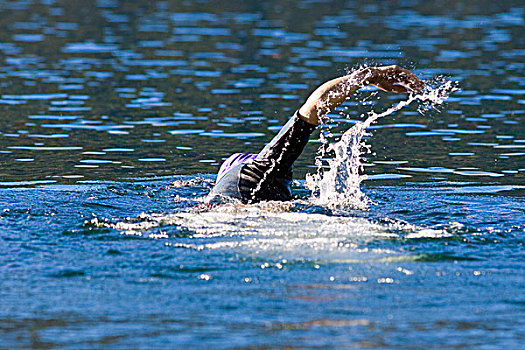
(410, 81)
(414, 85)
(401, 80)
(399, 88)
(417, 85)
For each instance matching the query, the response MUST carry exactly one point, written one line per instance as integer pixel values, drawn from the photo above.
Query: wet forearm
(331, 94)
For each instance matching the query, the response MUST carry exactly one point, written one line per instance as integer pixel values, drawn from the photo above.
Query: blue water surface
(126, 265)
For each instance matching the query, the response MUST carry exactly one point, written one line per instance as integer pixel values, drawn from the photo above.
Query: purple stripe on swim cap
(234, 160)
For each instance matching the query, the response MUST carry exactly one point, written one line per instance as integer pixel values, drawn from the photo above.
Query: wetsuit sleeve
(268, 176)
(287, 145)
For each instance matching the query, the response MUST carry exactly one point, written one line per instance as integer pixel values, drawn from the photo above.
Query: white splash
(340, 186)
(270, 230)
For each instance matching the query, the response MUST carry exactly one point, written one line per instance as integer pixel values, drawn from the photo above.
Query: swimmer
(266, 176)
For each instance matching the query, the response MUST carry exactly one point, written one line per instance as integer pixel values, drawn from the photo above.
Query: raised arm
(334, 92)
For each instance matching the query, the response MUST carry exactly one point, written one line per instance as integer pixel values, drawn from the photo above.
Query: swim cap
(234, 160)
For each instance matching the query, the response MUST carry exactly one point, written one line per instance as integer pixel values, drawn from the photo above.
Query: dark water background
(110, 109)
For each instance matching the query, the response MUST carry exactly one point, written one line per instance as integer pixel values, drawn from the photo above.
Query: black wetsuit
(266, 176)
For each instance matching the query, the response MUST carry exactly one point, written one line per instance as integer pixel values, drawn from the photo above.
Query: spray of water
(340, 185)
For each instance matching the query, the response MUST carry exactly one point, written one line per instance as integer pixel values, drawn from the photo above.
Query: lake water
(115, 116)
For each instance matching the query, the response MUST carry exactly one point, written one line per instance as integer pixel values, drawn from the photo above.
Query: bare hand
(395, 79)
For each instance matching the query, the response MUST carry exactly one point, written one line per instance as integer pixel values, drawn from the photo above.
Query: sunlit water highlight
(274, 229)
